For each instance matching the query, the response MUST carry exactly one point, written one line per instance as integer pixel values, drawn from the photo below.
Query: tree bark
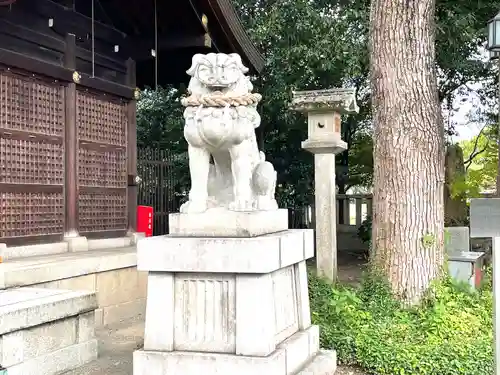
(408, 210)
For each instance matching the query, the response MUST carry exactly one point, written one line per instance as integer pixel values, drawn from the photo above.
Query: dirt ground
(351, 265)
(118, 342)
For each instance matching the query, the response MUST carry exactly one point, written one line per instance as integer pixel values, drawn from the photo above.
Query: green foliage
(308, 45)
(461, 30)
(321, 44)
(160, 120)
(481, 162)
(360, 156)
(449, 334)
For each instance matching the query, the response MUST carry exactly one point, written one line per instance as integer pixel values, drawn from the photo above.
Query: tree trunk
(455, 206)
(408, 220)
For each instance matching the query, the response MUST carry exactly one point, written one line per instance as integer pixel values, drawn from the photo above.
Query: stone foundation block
(325, 363)
(77, 243)
(46, 331)
(3, 252)
(58, 361)
(10, 253)
(299, 354)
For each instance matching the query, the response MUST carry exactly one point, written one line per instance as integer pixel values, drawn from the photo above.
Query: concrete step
(325, 363)
(46, 331)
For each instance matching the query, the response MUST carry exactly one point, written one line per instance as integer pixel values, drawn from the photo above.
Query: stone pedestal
(220, 222)
(230, 305)
(324, 109)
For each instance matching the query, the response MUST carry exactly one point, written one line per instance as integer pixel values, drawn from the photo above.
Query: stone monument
(227, 288)
(324, 109)
(457, 239)
(484, 219)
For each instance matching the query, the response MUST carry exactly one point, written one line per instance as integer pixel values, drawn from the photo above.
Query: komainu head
(218, 71)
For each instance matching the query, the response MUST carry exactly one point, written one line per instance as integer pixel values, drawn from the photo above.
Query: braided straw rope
(221, 100)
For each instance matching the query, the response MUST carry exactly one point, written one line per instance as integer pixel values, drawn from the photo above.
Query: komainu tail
(262, 156)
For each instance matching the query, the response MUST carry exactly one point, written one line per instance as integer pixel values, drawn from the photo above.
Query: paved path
(116, 345)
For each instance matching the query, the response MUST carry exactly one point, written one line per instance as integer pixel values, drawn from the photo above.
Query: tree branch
(475, 152)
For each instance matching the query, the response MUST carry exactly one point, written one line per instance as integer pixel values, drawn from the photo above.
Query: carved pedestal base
(229, 306)
(291, 357)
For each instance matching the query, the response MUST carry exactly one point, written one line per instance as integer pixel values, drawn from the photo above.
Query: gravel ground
(345, 370)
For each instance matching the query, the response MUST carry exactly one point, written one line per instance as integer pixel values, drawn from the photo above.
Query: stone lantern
(324, 109)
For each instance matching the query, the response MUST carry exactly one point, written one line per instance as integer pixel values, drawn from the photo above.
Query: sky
(467, 129)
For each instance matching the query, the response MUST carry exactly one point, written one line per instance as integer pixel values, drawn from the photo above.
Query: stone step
(39, 269)
(74, 244)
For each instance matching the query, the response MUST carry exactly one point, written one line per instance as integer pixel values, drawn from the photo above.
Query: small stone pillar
(324, 109)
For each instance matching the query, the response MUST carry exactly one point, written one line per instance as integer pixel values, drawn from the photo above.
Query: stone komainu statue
(227, 170)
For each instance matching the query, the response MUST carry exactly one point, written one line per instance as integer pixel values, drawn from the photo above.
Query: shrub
(365, 230)
(450, 333)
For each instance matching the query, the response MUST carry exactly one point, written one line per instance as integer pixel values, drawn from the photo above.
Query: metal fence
(300, 217)
(159, 186)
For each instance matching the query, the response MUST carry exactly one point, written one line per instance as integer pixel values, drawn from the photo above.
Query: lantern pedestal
(324, 109)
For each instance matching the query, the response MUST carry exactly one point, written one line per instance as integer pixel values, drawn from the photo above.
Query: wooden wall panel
(31, 157)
